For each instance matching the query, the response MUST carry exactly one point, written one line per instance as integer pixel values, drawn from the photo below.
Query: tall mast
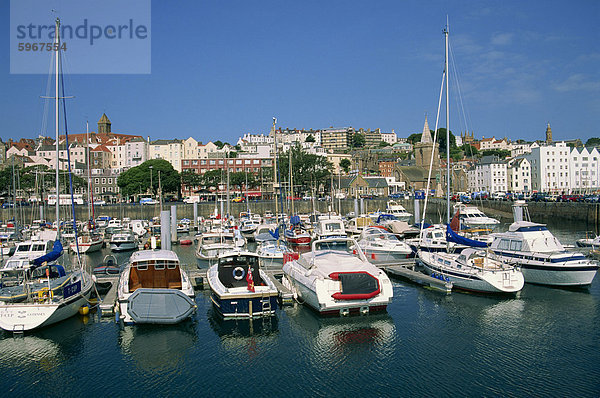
(57, 36)
(291, 183)
(87, 139)
(447, 129)
(275, 182)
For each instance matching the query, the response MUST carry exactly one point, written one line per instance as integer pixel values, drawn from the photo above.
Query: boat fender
(239, 273)
(45, 293)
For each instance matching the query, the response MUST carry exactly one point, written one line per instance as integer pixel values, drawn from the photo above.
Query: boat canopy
(56, 252)
(452, 236)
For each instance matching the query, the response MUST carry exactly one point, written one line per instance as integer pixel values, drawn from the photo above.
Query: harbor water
(544, 342)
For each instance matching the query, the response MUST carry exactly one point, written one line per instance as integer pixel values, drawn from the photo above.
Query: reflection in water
(246, 337)
(344, 339)
(156, 348)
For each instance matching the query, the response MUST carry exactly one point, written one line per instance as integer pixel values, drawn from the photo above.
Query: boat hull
(87, 247)
(24, 317)
(500, 282)
(578, 273)
(122, 246)
(245, 306)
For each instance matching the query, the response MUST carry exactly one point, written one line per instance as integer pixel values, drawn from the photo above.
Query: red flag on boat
(455, 222)
(250, 280)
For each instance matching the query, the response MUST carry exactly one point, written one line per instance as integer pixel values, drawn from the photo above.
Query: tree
(383, 144)
(469, 150)
(413, 138)
(190, 179)
(358, 140)
(212, 179)
(137, 179)
(594, 141)
(239, 179)
(501, 153)
(345, 164)
(310, 138)
(37, 179)
(307, 169)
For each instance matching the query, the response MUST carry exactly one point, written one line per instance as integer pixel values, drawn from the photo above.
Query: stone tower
(425, 148)
(548, 134)
(104, 125)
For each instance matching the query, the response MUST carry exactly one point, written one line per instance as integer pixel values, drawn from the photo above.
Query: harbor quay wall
(587, 213)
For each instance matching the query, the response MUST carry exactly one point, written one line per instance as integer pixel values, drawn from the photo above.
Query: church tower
(425, 148)
(548, 134)
(104, 125)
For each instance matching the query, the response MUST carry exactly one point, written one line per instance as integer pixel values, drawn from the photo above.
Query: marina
(422, 322)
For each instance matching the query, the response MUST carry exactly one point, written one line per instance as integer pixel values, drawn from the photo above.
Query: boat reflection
(156, 348)
(339, 336)
(240, 328)
(45, 349)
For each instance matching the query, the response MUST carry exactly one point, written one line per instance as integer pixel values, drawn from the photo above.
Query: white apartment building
(136, 152)
(490, 176)
(207, 151)
(190, 149)
(550, 165)
(390, 138)
(521, 149)
(169, 150)
(519, 175)
(585, 170)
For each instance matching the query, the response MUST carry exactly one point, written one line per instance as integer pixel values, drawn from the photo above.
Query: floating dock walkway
(406, 270)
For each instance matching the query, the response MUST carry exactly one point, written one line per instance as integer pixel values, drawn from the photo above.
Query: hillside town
(363, 162)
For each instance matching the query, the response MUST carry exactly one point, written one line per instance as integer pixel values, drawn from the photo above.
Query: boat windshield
(23, 248)
(338, 245)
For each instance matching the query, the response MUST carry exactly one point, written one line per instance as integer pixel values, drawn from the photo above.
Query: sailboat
(49, 306)
(470, 268)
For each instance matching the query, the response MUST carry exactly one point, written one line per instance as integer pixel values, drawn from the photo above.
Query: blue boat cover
(295, 220)
(56, 252)
(452, 236)
(386, 217)
(275, 234)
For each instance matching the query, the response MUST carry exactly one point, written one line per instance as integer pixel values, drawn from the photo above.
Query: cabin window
(159, 266)
(515, 245)
(171, 265)
(142, 267)
(504, 244)
(23, 248)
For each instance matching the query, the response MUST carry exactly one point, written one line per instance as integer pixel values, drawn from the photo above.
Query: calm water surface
(546, 342)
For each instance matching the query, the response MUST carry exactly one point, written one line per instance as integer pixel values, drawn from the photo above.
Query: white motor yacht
(398, 210)
(123, 240)
(335, 278)
(211, 245)
(153, 288)
(542, 258)
(383, 247)
(329, 227)
(472, 217)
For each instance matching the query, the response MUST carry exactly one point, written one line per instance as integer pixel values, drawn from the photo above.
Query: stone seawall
(588, 213)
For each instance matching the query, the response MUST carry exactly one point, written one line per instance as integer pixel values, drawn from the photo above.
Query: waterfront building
(104, 182)
(585, 170)
(169, 150)
(489, 175)
(519, 175)
(425, 148)
(101, 157)
(550, 168)
(136, 152)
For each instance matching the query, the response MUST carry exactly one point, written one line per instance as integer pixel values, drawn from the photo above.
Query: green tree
(212, 179)
(469, 150)
(239, 179)
(501, 153)
(307, 169)
(345, 164)
(310, 138)
(137, 179)
(414, 138)
(190, 179)
(594, 141)
(383, 144)
(358, 140)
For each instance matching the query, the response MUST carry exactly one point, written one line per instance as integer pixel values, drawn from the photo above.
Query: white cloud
(502, 39)
(577, 82)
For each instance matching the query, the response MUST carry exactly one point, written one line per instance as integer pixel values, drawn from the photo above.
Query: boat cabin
(233, 269)
(159, 273)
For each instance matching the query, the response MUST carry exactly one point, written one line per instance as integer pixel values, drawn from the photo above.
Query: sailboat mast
(275, 174)
(447, 130)
(87, 139)
(291, 183)
(57, 36)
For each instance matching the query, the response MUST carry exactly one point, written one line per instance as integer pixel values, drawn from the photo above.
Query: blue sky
(221, 69)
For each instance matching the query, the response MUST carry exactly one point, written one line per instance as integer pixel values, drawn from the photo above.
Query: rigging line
(466, 115)
(62, 81)
(432, 154)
